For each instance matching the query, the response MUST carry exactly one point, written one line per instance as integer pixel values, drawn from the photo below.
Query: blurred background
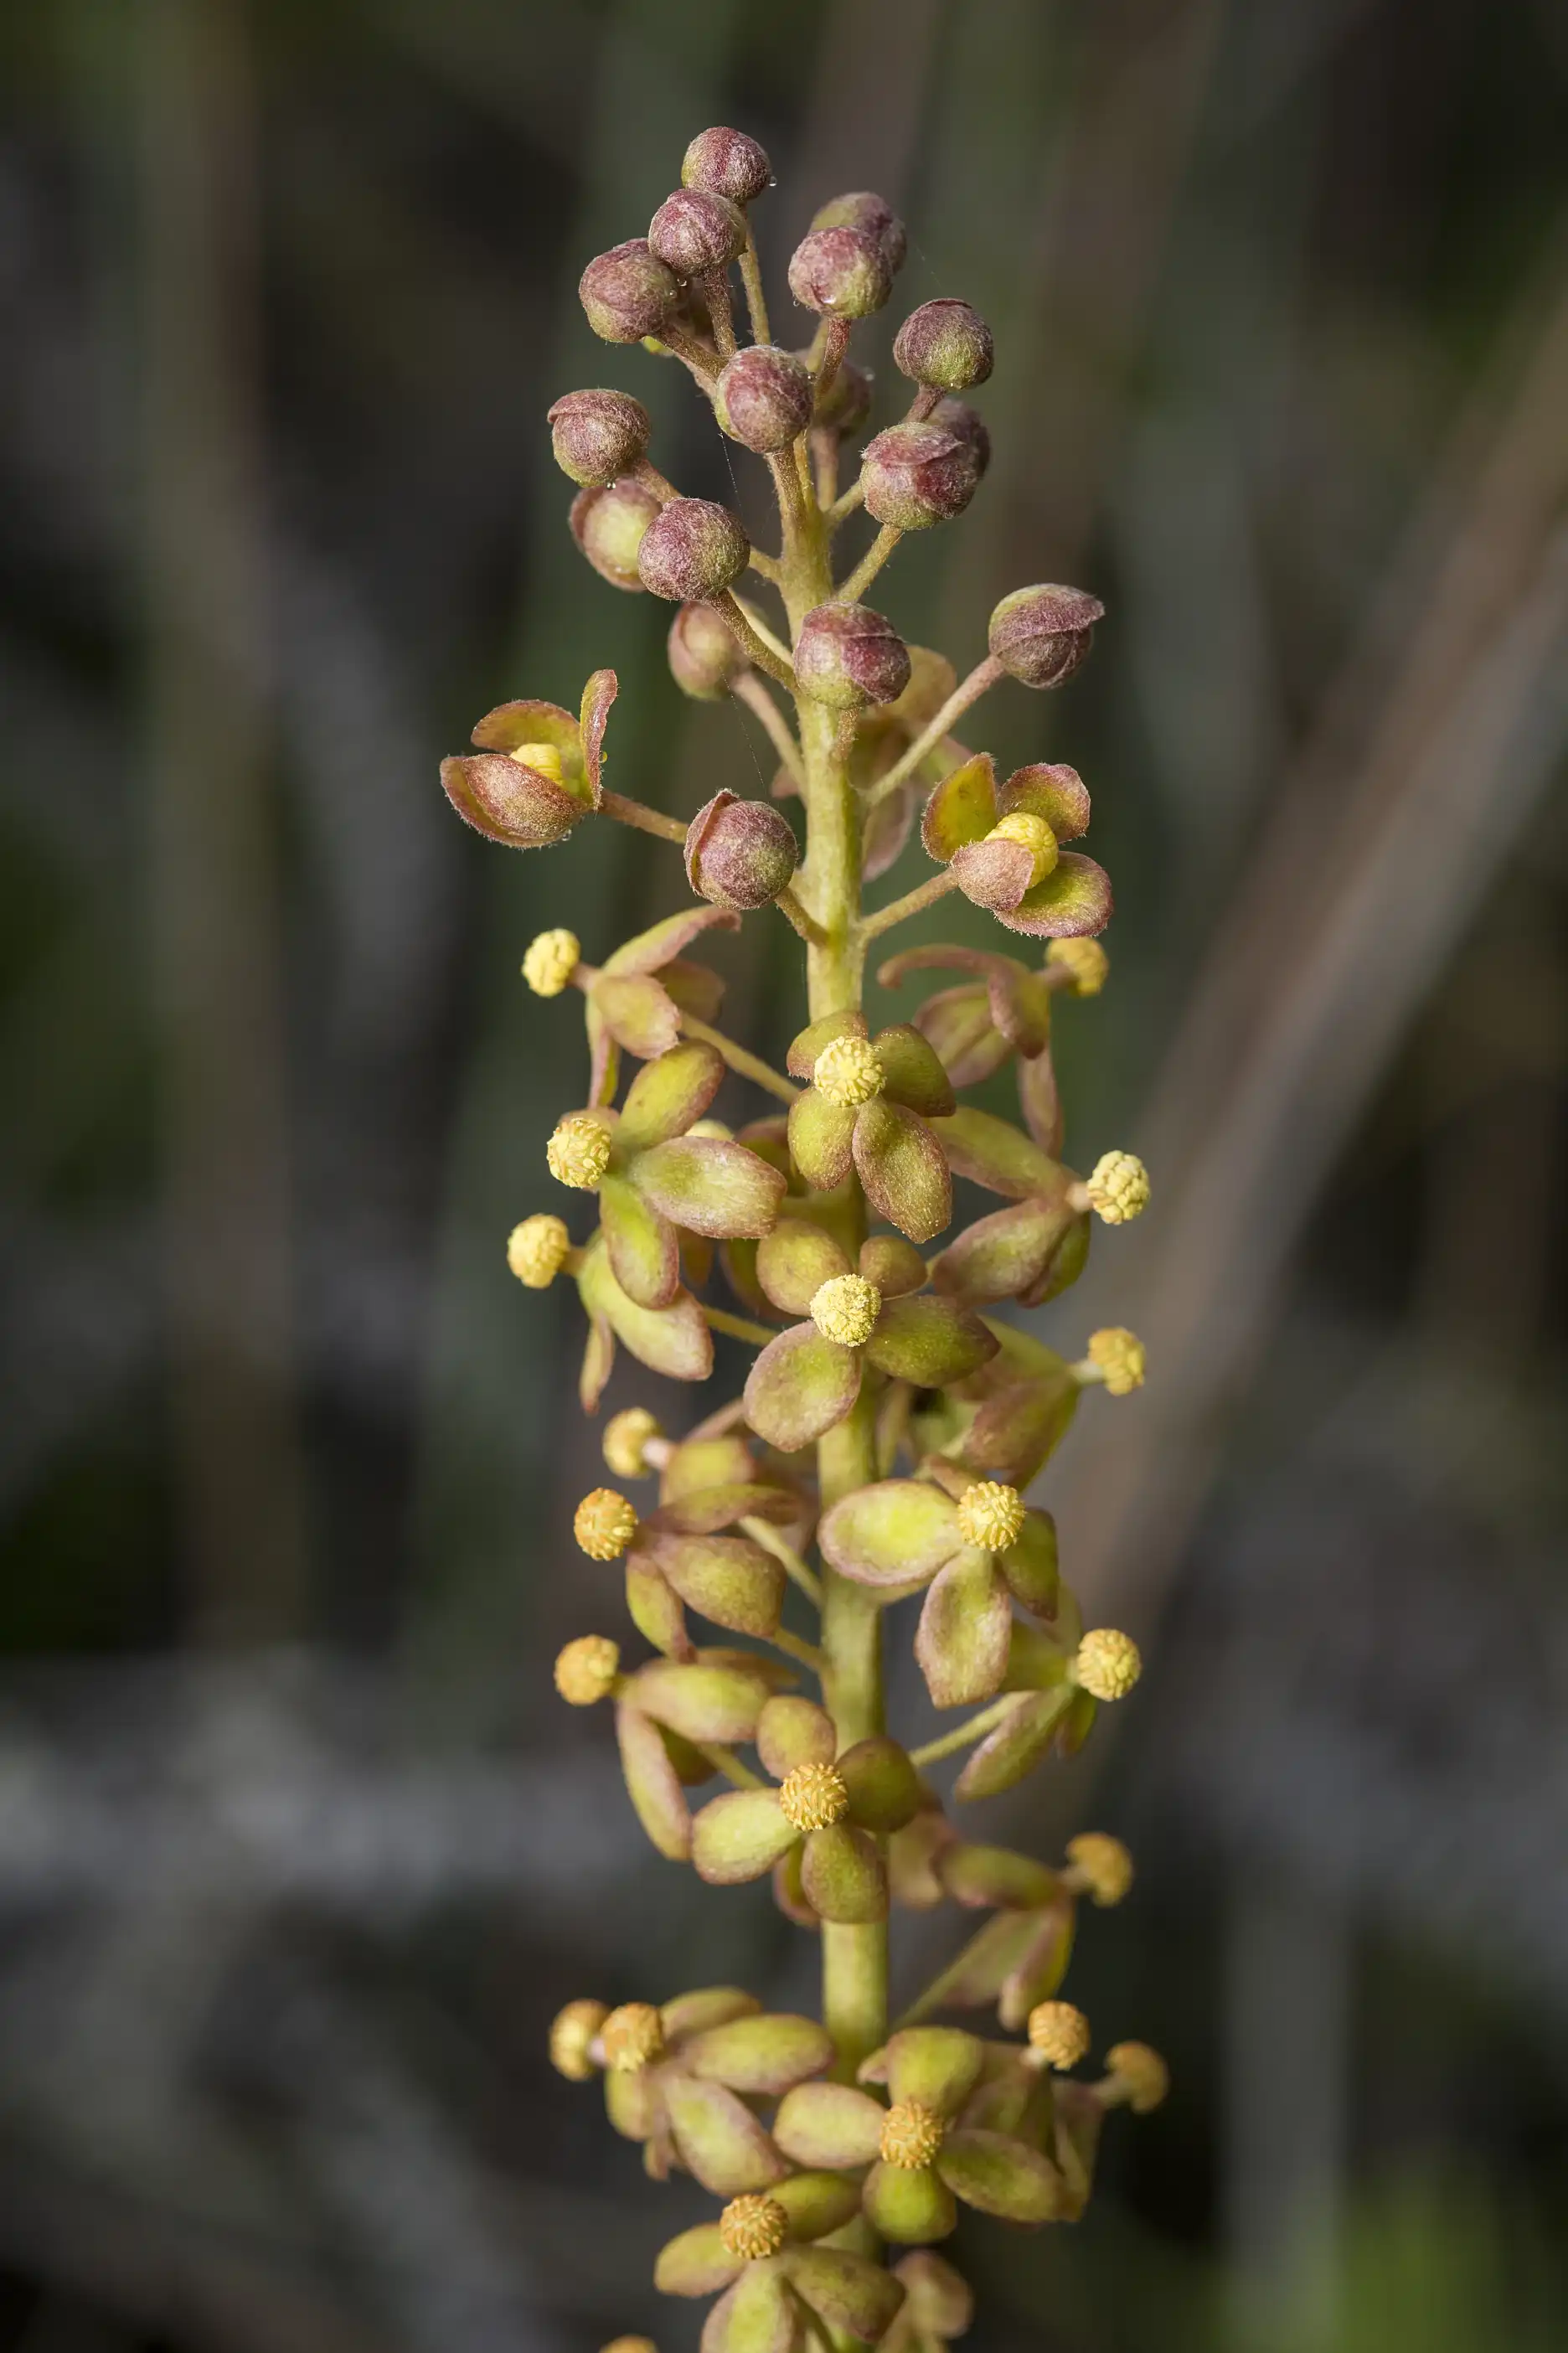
(298, 1853)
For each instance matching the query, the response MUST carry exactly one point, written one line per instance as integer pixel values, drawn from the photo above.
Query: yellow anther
(571, 2030)
(585, 1670)
(1086, 960)
(991, 1515)
(579, 1151)
(1101, 1865)
(1120, 1357)
(753, 2227)
(813, 1796)
(550, 961)
(629, 2345)
(1033, 834)
(1059, 2034)
(1139, 2074)
(536, 1251)
(849, 1072)
(1118, 1187)
(605, 1523)
(626, 1443)
(544, 759)
(845, 1308)
(911, 2135)
(1108, 1664)
(632, 2037)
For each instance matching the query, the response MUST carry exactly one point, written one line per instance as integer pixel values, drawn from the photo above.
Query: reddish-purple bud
(847, 656)
(848, 401)
(957, 418)
(598, 435)
(874, 217)
(608, 525)
(692, 549)
(627, 293)
(915, 475)
(727, 163)
(694, 231)
(840, 272)
(739, 854)
(704, 658)
(944, 345)
(763, 399)
(1040, 635)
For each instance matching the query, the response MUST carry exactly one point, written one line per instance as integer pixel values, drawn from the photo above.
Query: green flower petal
(696, 2263)
(993, 874)
(791, 1732)
(697, 1511)
(903, 1167)
(842, 1874)
(728, 1580)
(759, 2315)
(929, 1342)
(830, 2125)
(795, 1259)
(1015, 1432)
(740, 1837)
(762, 2055)
(938, 2064)
(816, 2203)
(915, 1076)
(1000, 2176)
(962, 1029)
(710, 1186)
(1031, 1566)
(986, 1878)
(821, 1139)
(652, 951)
(811, 1040)
(673, 1340)
(514, 805)
(653, 1785)
(1004, 1253)
(894, 1265)
(884, 1787)
(962, 808)
(961, 1643)
(695, 2012)
(800, 1387)
(991, 1152)
(1039, 1969)
(849, 2292)
(654, 1609)
(597, 696)
(702, 1702)
(669, 1094)
(909, 2205)
(896, 1535)
(719, 2139)
(938, 2301)
(639, 1014)
(1058, 794)
(643, 1248)
(1074, 901)
(1015, 1747)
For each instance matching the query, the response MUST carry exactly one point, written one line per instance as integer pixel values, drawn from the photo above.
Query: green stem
(646, 821)
(756, 297)
(968, 691)
(962, 1734)
(749, 688)
(745, 1065)
(923, 895)
(800, 1571)
(794, 1646)
(854, 586)
(725, 1761)
(719, 1319)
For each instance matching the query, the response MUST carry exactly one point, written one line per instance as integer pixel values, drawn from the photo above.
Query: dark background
(298, 1853)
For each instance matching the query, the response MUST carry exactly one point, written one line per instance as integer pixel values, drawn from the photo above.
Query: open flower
(1004, 1010)
(921, 2152)
(771, 2280)
(637, 998)
(867, 1106)
(1003, 843)
(536, 771)
(1033, 1250)
(678, 1555)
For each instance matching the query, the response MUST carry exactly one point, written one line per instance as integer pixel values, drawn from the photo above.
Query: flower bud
(574, 2029)
(550, 962)
(1108, 1664)
(874, 217)
(579, 1151)
(847, 656)
(632, 2037)
(847, 403)
(585, 1672)
(598, 435)
(944, 345)
(739, 854)
(605, 1523)
(967, 425)
(704, 658)
(1059, 2034)
(764, 397)
(1040, 635)
(536, 1251)
(839, 273)
(1101, 1865)
(694, 231)
(609, 525)
(626, 1440)
(693, 548)
(728, 164)
(627, 293)
(917, 475)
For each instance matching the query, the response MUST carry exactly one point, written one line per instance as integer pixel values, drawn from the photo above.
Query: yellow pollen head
(544, 759)
(991, 1515)
(753, 2227)
(849, 1072)
(845, 1308)
(579, 1151)
(571, 2030)
(536, 1251)
(1108, 1664)
(1086, 960)
(605, 1523)
(1102, 1864)
(585, 1670)
(1139, 2074)
(633, 2037)
(1033, 834)
(1059, 2034)
(1120, 1357)
(1118, 1187)
(911, 2135)
(629, 2345)
(627, 1437)
(813, 1796)
(550, 961)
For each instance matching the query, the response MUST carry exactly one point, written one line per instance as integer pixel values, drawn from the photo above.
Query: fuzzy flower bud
(549, 961)
(579, 1152)
(753, 2227)
(1059, 2034)
(849, 1072)
(536, 1251)
(813, 1797)
(694, 230)
(846, 404)
(1138, 2073)
(1120, 1355)
(873, 216)
(1040, 635)
(632, 2037)
(598, 435)
(1103, 1865)
(739, 854)
(627, 293)
(605, 1523)
(693, 548)
(845, 1308)
(609, 526)
(965, 425)
(1118, 1187)
(626, 1441)
(704, 660)
(944, 345)
(912, 2133)
(727, 163)
(917, 475)
(763, 399)
(1085, 959)
(570, 2031)
(840, 273)
(991, 1515)
(1031, 833)
(585, 1671)
(847, 656)
(1108, 1664)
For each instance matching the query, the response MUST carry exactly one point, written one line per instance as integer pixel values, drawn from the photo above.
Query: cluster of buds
(895, 1413)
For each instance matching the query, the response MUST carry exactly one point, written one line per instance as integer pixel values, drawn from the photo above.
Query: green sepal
(508, 803)
(976, 1977)
(673, 1340)
(1074, 901)
(703, 1700)
(1071, 1256)
(1059, 794)
(1038, 1655)
(740, 1837)
(655, 1611)
(903, 1167)
(639, 1012)
(937, 2065)
(821, 1139)
(1000, 2176)
(938, 2301)
(962, 808)
(813, 1040)
(959, 1024)
(760, 2314)
(993, 874)
(960, 1642)
(699, 1511)
(800, 1386)
(1039, 1969)
(830, 2125)
(1031, 1566)
(710, 1186)
(912, 1071)
(794, 1262)
(767, 2053)
(653, 1785)
(1017, 1746)
(694, 989)
(994, 1152)
(652, 951)
(1015, 1431)
(669, 1094)
(717, 2139)
(816, 2203)
(884, 1787)
(895, 1535)
(705, 2006)
(849, 2292)
(929, 1340)
(909, 2205)
(894, 1265)
(791, 1732)
(695, 2262)
(1004, 1254)
(728, 1580)
(993, 1878)
(842, 1875)
(698, 1464)
(644, 1250)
